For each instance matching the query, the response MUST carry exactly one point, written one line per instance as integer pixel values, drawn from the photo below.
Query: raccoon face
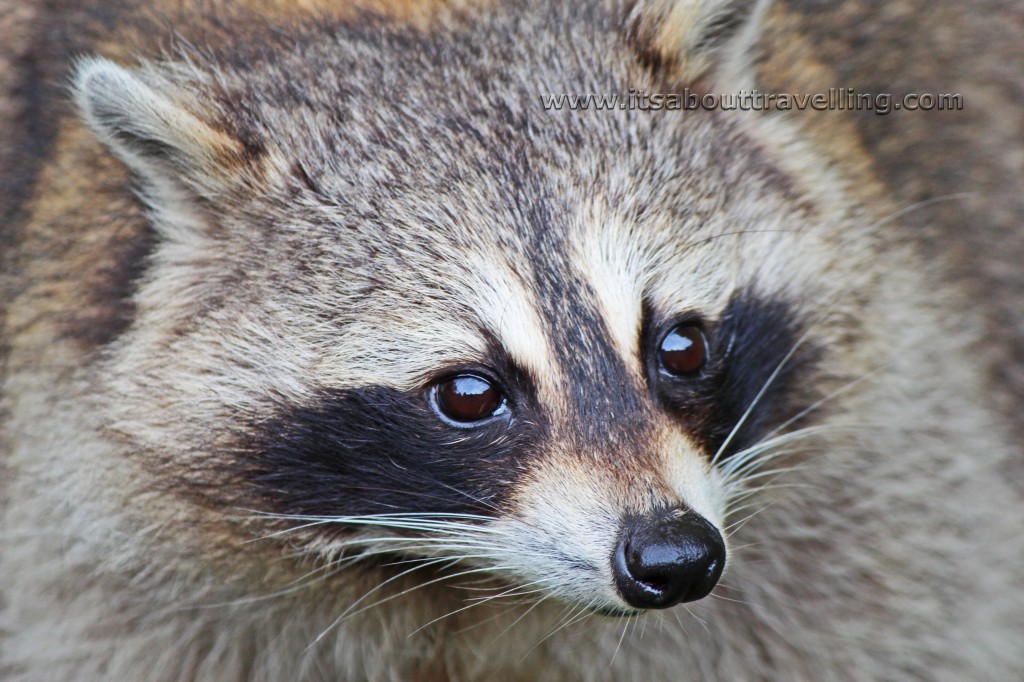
(549, 346)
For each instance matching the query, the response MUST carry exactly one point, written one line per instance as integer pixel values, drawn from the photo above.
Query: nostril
(666, 559)
(656, 582)
(643, 571)
(647, 567)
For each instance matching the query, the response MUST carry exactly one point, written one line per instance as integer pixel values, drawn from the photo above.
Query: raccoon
(331, 353)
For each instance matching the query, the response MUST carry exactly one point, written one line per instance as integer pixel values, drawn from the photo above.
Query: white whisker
(480, 602)
(625, 626)
(757, 398)
(733, 527)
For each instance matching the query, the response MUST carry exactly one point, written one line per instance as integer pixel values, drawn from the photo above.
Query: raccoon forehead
(459, 308)
(554, 289)
(627, 263)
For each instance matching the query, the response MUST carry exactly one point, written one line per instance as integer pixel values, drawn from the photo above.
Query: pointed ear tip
(97, 80)
(92, 71)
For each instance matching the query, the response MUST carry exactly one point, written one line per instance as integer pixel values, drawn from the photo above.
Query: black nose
(666, 558)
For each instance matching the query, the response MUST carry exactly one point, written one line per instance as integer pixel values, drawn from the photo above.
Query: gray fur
(342, 203)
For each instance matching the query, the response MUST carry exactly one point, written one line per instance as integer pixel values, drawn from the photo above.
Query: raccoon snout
(667, 558)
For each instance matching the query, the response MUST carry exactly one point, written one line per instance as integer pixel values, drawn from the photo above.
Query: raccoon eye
(467, 398)
(684, 350)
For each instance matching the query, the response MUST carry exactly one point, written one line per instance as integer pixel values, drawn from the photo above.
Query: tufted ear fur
(709, 40)
(155, 126)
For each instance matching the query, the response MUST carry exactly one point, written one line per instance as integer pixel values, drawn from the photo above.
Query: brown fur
(76, 241)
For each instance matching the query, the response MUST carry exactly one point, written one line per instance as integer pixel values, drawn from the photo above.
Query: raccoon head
(402, 311)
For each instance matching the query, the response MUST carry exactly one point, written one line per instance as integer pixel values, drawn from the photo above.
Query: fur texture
(237, 264)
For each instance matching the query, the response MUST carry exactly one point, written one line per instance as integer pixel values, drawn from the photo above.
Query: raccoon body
(330, 353)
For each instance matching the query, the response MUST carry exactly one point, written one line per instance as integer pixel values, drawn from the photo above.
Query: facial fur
(343, 212)
(373, 299)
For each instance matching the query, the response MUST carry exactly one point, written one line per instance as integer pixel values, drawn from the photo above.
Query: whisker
(330, 571)
(744, 484)
(286, 531)
(734, 527)
(523, 615)
(693, 615)
(349, 612)
(516, 591)
(625, 626)
(379, 586)
(403, 544)
(756, 456)
(739, 458)
(480, 623)
(481, 502)
(924, 203)
(732, 510)
(364, 518)
(737, 601)
(757, 398)
(733, 233)
(479, 602)
(831, 396)
(575, 615)
(447, 557)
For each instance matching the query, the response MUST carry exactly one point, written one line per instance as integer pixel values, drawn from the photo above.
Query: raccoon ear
(707, 40)
(149, 123)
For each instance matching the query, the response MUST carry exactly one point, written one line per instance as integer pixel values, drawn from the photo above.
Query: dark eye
(468, 398)
(683, 351)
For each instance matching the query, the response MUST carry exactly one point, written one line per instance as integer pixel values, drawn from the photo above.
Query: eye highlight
(683, 350)
(467, 398)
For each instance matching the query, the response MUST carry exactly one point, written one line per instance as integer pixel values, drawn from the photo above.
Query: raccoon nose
(667, 558)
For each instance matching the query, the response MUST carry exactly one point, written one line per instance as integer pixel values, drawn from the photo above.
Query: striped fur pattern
(247, 254)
